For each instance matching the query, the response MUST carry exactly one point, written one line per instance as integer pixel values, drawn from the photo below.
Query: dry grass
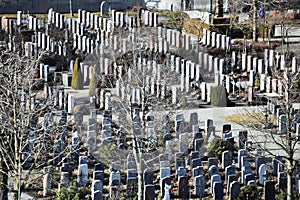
(248, 118)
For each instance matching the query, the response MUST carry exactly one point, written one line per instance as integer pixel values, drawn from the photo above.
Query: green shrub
(218, 96)
(77, 76)
(248, 192)
(217, 147)
(72, 193)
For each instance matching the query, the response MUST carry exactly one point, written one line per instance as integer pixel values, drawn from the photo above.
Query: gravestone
(243, 136)
(263, 170)
(226, 159)
(165, 181)
(213, 170)
(229, 170)
(218, 191)
(82, 177)
(184, 143)
(275, 164)
(199, 183)
(196, 162)
(216, 178)
(148, 177)
(241, 152)
(181, 171)
(183, 188)
(197, 171)
(198, 144)
(226, 128)
(282, 180)
(282, 124)
(149, 192)
(64, 179)
(245, 171)
(249, 179)
(258, 162)
(213, 161)
(234, 190)
(193, 119)
(231, 178)
(269, 190)
(98, 175)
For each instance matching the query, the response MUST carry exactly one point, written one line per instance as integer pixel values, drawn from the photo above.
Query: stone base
(220, 20)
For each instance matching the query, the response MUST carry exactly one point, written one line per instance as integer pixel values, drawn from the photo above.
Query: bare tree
(147, 98)
(27, 131)
(281, 139)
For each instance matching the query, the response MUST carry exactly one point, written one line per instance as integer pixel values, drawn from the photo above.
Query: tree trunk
(290, 195)
(138, 158)
(254, 27)
(140, 182)
(71, 10)
(4, 181)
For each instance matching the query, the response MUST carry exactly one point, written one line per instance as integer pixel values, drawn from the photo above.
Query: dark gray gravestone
(197, 171)
(208, 124)
(98, 175)
(97, 195)
(213, 170)
(214, 179)
(149, 192)
(226, 159)
(164, 181)
(198, 144)
(234, 190)
(83, 160)
(231, 178)
(282, 180)
(99, 166)
(282, 124)
(275, 164)
(183, 187)
(199, 182)
(229, 170)
(131, 189)
(213, 161)
(181, 171)
(269, 190)
(230, 141)
(180, 162)
(248, 178)
(104, 8)
(195, 154)
(245, 170)
(193, 119)
(243, 137)
(226, 128)
(66, 168)
(64, 179)
(196, 162)
(148, 177)
(241, 152)
(218, 191)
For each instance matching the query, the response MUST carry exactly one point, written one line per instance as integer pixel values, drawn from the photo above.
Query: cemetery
(128, 114)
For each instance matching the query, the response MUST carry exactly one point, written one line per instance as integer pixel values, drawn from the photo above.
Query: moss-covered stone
(218, 96)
